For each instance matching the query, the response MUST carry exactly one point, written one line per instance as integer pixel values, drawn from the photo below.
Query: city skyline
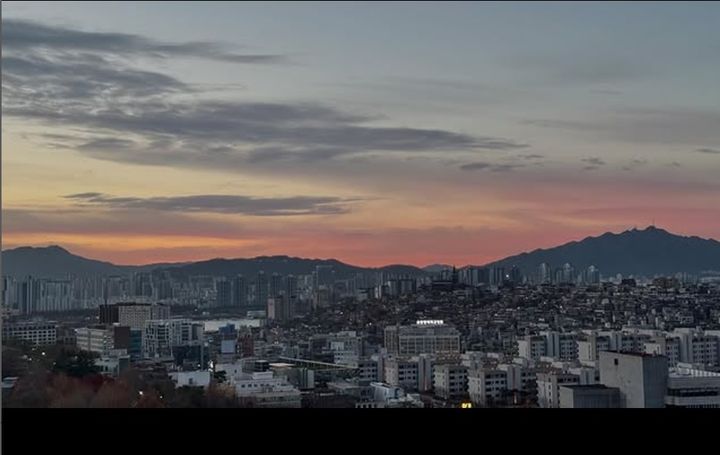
(372, 134)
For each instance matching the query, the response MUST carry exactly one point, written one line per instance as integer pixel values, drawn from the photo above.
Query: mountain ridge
(648, 252)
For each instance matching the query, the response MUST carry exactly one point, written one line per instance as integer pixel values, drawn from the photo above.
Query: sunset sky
(404, 132)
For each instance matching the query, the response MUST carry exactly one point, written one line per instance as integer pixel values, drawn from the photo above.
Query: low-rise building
(199, 378)
(548, 387)
(692, 388)
(36, 332)
(450, 381)
(589, 396)
(487, 386)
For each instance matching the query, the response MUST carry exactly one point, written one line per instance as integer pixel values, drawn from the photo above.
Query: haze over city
(373, 134)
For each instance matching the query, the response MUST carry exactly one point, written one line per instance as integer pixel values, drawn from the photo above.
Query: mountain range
(647, 252)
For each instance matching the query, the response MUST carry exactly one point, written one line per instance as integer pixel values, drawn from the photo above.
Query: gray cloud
(479, 166)
(531, 156)
(635, 164)
(62, 77)
(655, 126)
(220, 203)
(23, 35)
(580, 68)
(594, 161)
(69, 78)
(708, 151)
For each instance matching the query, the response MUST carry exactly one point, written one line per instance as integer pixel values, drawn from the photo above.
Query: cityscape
(486, 205)
(396, 337)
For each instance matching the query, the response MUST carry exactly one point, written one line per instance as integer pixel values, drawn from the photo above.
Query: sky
(373, 133)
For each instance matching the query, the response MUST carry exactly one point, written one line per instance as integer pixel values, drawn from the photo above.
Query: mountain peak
(648, 251)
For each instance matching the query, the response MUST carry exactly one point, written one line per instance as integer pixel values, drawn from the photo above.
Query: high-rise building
(641, 378)
(240, 291)
(277, 286)
(567, 274)
(223, 292)
(545, 274)
(291, 287)
(591, 275)
(279, 308)
(515, 275)
(261, 289)
(497, 276)
(323, 276)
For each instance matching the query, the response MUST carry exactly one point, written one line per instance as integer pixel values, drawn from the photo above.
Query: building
(265, 390)
(276, 286)
(487, 386)
(548, 387)
(589, 396)
(641, 378)
(588, 350)
(200, 378)
(261, 289)
(401, 373)
(426, 366)
(450, 381)
(346, 347)
(280, 308)
(532, 347)
(103, 339)
(692, 388)
(39, 333)
(223, 293)
(163, 335)
(519, 377)
(562, 346)
(368, 370)
(667, 346)
(424, 337)
(132, 314)
(240, 291)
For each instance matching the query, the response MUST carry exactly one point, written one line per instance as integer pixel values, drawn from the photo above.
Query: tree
(13, 363)
(76, 363)
(220, 376)
(149, 399)
(29, 392)
(112, 395)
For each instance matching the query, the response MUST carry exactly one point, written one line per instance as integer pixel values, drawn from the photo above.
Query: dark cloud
(23, 36)
(220, 203)
(84, 80)
(635, 164)
(708, 151)
(531, 156)
(478, 166)
(593, 161)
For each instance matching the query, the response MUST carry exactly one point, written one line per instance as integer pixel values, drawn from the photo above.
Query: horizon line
(50, 245)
